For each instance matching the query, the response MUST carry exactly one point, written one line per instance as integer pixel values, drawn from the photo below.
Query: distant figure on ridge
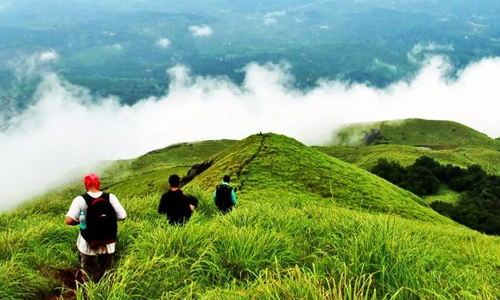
(224, 196)
(178, 207)
(97, 213)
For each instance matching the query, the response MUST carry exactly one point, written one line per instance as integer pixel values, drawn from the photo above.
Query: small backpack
(223, 199)
(102, 226)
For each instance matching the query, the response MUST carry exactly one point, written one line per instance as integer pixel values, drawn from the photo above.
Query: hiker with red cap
(97, 214)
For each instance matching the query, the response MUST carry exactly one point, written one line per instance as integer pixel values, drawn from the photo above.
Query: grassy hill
(406, 140)
(435, 134)
(308, 226)
(146, 174)
(273, 165)
(367, 157)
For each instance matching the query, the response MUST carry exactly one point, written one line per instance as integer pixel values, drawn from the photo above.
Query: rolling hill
(406, 140)
(273, 165)
(308, 226)
(367, 157)
(434, 134)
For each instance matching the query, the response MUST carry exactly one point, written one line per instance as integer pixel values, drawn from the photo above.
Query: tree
(478, 206)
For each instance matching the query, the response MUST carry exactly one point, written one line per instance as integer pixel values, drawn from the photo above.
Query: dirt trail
(68, 279)
(249, 161)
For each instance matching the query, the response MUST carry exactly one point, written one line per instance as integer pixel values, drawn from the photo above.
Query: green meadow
(309, 225)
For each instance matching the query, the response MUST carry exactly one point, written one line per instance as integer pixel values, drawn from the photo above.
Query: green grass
(277, 165)
(264, 250)
(367, 157)
(432, 133)
(308, 226)
(445, 194)
(149, 173)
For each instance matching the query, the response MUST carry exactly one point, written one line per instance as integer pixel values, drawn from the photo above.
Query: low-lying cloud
(270, 21)
(116, 47)
(66, 128)
(48, 56)
(163, 43)
(271, 17)
(422, 52)
(201, 31)
(27, 66)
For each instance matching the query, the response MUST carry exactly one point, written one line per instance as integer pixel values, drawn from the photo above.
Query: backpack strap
(224, 186)
(89, 199)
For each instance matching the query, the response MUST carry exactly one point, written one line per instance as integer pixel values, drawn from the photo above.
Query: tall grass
(291, 236)
(263, 250)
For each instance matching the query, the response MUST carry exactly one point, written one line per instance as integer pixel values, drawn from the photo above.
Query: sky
(65, 128)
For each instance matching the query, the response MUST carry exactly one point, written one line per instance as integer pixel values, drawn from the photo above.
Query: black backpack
(102, 226)
(223, 199)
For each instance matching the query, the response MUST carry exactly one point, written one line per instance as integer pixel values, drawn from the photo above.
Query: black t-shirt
(176, 206)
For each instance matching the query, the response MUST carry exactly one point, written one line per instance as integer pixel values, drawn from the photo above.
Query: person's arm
(70, 221)
(162, 209)
(73, 215)
(190, 207)
(121, 214)
(233, 196)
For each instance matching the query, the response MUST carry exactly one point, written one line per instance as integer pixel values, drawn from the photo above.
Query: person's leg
(88, 265)
(225, 210)
(105, 264)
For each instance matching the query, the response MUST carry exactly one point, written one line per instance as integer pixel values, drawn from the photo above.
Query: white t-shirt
(78, 205)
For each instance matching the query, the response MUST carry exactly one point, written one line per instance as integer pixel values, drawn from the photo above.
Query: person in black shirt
(175, 205)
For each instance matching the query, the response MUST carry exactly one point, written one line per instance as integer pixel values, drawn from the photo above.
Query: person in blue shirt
(225, 196)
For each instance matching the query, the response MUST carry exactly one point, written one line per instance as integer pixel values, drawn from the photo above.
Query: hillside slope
(270, 166)
(416, 132)
(367, 157)
(149, 173)
(289, 238)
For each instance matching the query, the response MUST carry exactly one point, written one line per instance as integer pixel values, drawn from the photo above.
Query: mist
(66, 128)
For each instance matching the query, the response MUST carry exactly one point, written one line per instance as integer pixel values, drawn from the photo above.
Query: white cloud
(324, 27)
(270, 21)
(48, 56)
(201, 31)
(275, 14)
(109, 33)
(271, 18)
(65, 128)
(415, 55)
(163, 43)
(115, 47)
(476, 24)
(380, 64)
(28, 66)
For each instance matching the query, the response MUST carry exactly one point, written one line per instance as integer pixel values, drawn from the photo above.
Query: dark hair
(174, 180)
(226, 178)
